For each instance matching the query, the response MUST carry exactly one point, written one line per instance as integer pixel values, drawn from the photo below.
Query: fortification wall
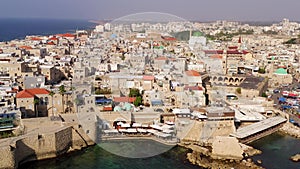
(6, 157)
(40, 146)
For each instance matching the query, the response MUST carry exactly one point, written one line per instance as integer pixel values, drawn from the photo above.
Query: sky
(200, 10)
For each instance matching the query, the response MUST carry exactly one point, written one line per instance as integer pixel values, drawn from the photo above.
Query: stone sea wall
(41, 146)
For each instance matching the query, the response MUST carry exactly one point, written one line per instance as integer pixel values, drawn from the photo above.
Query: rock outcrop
(296, 158)
(290, 129)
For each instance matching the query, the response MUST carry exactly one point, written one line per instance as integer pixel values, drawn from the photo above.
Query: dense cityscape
(211, 87)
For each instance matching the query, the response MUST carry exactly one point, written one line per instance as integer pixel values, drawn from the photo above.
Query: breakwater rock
(296, 158)
(216, 156)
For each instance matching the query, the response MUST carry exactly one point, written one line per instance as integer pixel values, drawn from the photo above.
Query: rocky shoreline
(291, 130)
(202, 156)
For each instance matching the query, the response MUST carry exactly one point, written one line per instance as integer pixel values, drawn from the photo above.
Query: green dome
(281, 71)
(117, 108)
(127, 106)
(197, 33)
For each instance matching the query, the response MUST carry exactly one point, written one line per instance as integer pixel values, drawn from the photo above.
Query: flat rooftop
(257, 127)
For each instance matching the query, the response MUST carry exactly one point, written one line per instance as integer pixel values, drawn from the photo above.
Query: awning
(125, 125)
(282, 99)
(286, 106)
(142, 130)
(152, 131)
(131, 130)
(136, 125)
(292, 95)
(113, 131)
(157, 127)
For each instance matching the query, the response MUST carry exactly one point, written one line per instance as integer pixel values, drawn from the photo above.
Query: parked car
(276, 91)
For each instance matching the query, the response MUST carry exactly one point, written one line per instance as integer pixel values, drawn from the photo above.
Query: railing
(6, 123)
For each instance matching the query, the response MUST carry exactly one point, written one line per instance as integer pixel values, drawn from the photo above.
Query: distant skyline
(237, 10)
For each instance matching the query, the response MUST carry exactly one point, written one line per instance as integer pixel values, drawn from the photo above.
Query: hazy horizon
(194, 10)
(108, 20)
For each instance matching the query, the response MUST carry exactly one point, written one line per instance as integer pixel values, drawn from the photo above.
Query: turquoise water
(97, 158)
(277, 149)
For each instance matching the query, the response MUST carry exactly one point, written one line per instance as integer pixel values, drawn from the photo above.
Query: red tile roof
(216, 56)
(67, 35)
(124, 99)
(161, 58)
(213, 51)
(236, 52)
(168, 38)
(148, 77)
(193, 88)
(25, 47)
(106, 108)
(53, 38)
(50, 43)
(28, 93)
(36, 39)
(272, 54)
(232, 47)
(192, 73)
(24, 94)
(245, 52)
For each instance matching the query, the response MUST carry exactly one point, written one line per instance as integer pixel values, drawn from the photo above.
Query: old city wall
(40, 146)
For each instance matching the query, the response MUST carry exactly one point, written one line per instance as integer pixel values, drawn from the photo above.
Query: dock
(257, 130)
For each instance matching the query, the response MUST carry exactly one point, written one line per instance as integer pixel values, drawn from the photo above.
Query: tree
(62, 91)
(36, 101)
(103, 91)
(138, 101)
(238, 90)
(261, 70)
(134, 92)
(264, 94)
(52, 94)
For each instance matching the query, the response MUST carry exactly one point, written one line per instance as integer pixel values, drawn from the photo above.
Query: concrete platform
(258, 127)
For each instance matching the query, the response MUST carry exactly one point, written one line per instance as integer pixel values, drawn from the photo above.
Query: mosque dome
(118, 108)
(197, 33)
(281, 71)
(127, 106)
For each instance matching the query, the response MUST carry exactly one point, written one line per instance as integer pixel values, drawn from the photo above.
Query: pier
(257, 130)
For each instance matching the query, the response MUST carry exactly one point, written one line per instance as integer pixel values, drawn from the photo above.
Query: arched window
(41, 101)
(46, 101)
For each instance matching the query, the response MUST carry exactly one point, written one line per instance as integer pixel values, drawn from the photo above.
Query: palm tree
(52, 94)
(35, 103)
(62, 91)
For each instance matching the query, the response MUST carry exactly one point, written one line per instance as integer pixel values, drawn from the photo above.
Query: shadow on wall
(23, 153)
